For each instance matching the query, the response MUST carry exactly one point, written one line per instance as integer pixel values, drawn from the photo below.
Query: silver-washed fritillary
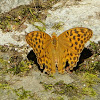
(56, 51)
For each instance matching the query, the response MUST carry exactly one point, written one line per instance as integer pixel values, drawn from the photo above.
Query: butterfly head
(54, 39)
(54, 35)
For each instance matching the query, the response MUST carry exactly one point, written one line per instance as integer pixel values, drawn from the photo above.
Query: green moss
(91, 67)
(7, 21)
(59, 98)
(58, 25)
(21, 93)
(66, 89)
(20, 67)
(56, 98)
(95, 66)
(89, 91)
(89, 79)
(76, 91)
(4, 48)
(5, 86)
(3, 65)
(43, 29)
(47, 86)
(50, 75)
(15, 18)
(95, 47)
(74, 98)
(4, 62)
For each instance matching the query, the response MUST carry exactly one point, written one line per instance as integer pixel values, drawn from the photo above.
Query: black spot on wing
(78, 35)
(76, 31)
(82, 30)
(74, 37)
(71, 33)
(76, 43)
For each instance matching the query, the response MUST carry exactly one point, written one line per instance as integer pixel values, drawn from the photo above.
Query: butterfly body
(56, 51)
(55, 45)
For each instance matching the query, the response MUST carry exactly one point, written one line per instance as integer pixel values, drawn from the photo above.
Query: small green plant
(47, 86)
(21, 93)
(3, 48)
(59, 98)
(5, 86)
(89, 91)
(96, 66)
(58, 25)
(21, 67)
(89, 79)
(15, 18)
(65, 89)
(95, 47)
(3, 66)
(74, 98)
(3, 62)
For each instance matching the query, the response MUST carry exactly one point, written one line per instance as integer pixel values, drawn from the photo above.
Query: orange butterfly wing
(42, 47)
(70, 45)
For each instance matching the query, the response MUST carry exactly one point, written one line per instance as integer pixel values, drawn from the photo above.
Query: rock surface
(69, 14)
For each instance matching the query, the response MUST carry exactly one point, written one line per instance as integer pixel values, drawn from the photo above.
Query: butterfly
(53, 52)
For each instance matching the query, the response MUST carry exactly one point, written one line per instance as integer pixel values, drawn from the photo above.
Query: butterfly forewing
(72, 42)
(75, 38)
(41, 44)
